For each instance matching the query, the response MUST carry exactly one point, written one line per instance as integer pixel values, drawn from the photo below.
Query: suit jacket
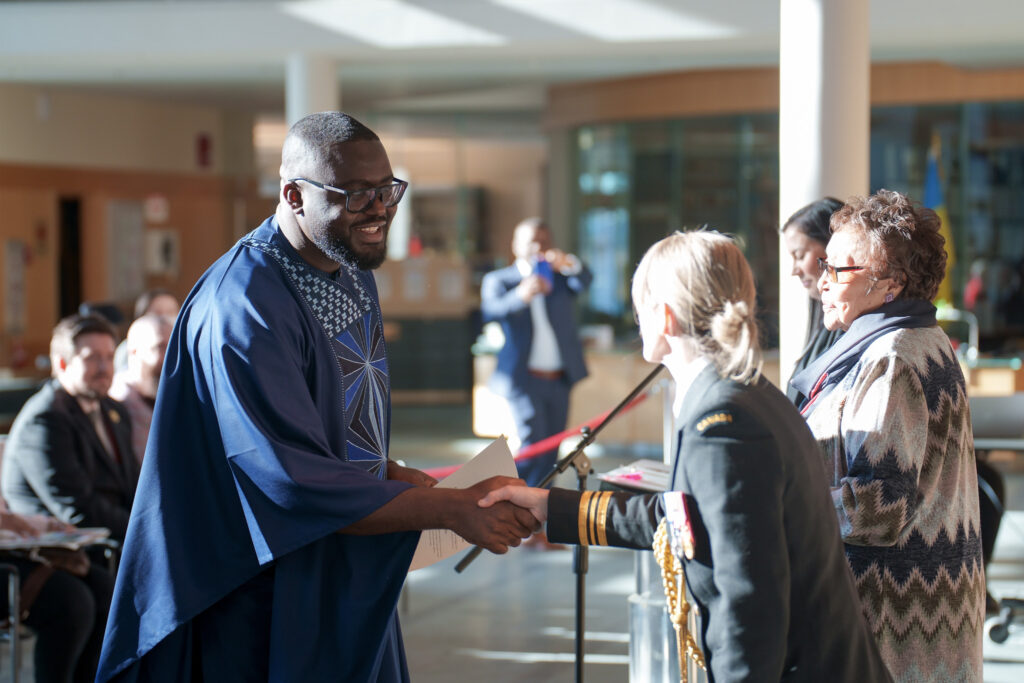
(55, 464)
(499, 302)
(768, 574)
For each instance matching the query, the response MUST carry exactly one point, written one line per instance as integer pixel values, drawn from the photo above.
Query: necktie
(104, 433)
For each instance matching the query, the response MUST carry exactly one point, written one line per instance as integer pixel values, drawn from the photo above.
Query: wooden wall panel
(203, 210)
(936, 83)
(30, 216)
(731, 91)
(689, 93)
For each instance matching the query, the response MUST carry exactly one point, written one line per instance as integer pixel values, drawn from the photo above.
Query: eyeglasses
(833, 271)
(361, 200)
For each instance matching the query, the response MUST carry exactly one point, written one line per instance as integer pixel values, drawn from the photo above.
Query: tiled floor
(511, 618)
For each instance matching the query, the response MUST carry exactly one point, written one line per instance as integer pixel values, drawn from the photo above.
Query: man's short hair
(146, 325)
(145, 300)
(66, 333)
(311, 139)
(533, 222)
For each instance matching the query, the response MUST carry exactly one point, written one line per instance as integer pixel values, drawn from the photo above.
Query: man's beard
(91, 393)
(339, 249)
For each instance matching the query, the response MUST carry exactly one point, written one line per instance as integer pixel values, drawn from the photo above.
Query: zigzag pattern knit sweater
(896, 437)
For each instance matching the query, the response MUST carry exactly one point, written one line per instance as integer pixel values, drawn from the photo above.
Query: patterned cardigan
(896, 437)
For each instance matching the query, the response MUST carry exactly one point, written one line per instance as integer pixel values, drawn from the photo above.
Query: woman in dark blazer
(806, 234)
(748, 515)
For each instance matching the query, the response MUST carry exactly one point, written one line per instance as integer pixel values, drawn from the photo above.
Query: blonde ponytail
(704, 278)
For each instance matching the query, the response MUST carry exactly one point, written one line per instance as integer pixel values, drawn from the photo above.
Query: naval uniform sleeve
(623, 520)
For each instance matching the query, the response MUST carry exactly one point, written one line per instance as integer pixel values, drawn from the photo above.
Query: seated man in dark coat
(69, 453)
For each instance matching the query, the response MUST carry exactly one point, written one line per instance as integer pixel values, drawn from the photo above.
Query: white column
(311, 85)
(824, 120)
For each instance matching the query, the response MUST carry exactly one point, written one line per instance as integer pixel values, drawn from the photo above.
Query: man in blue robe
(270, 436)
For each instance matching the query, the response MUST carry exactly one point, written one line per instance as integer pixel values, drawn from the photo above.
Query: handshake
(495, 514)
(507, 512)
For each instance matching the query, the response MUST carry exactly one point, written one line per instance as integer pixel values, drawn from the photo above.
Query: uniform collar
(692, 399)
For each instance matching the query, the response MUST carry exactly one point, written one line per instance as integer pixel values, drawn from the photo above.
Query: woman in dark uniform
(748, 515)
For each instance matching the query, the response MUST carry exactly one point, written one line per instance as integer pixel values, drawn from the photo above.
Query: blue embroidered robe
(270, 433)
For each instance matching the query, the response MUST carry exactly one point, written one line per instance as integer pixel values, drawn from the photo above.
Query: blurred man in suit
(69, 453)
(136, 385)
(542, 359)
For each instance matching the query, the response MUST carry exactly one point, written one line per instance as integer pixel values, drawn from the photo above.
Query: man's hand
(54, 524)
(412, 476)
(531, 286)
(567, 264)
(17, 524)
(422, 507)
(535, 500)
(499, 526)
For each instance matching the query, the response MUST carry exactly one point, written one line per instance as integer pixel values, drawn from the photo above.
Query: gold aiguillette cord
(674, 580)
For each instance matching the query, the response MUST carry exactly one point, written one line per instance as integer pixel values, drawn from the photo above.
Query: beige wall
(63, 127)
(511, 173)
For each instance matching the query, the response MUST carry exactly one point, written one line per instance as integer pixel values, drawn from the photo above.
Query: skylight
(390, 24)
(621, 20)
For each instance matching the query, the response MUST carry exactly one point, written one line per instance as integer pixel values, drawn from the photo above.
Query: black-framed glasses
(361, 200)
(833, 271)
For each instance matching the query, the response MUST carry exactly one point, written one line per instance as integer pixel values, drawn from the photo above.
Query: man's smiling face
(339, 234)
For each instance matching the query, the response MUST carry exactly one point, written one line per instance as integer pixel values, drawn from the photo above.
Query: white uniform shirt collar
(684, 383)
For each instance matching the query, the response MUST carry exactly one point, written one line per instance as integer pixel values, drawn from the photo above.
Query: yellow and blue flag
(935, 200)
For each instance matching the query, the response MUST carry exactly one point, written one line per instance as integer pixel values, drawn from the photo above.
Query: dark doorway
(70, 263)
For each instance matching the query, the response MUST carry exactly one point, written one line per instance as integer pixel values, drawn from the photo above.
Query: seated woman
(748, 516)
(66, 608)
(805, 234)
(888, 407)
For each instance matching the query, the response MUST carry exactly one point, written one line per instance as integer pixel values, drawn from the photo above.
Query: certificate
(494, 460)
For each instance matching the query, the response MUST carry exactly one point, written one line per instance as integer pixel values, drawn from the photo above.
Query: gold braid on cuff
(592, 517)
(674, 580)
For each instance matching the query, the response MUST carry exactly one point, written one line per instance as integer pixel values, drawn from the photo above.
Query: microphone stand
(579, 460)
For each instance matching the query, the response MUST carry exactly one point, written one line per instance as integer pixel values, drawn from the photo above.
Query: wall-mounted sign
(162, 252)
(125, 235)
(156, 209)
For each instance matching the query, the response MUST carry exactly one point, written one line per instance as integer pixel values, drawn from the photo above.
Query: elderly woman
(805, 234)
(747, 516)
(888, 407)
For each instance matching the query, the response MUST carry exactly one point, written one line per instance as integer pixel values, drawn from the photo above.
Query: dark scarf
(819, 340)
(824, 374)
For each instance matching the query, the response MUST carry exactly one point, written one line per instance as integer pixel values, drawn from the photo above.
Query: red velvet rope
(536, 449)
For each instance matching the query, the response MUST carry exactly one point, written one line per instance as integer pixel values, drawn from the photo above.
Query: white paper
(494, 460)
